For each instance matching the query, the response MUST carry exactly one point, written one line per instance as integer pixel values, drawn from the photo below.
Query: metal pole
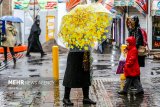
(1, 7)
(34, 10)
(55, 61)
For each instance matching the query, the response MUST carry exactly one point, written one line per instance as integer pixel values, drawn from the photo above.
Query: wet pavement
(105, 83)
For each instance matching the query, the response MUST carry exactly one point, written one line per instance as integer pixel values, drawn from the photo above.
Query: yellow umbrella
(84, 25)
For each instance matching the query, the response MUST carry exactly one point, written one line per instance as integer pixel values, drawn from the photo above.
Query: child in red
(131, 68)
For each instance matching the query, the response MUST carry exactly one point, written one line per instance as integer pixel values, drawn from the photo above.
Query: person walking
(34, 44)
(10, 41)
(135, 30)
(131, 68)
(77, 75)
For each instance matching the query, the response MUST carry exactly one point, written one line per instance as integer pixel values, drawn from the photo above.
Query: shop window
(156, 32)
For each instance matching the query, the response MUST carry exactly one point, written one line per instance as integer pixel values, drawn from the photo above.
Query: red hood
(132, 41)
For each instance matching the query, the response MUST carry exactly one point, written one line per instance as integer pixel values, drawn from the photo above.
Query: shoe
(122, 93)
(14, 60)
(28, 55)
(88, 101)
(67, 102)
(139, 93)
(43, 54)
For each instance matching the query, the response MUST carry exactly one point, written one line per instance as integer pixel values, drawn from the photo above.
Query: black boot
(28, 55)
(139, 93)
(86, 99)
(14, 60)
(122, 93)
(43, 54)
(66, 99)
(67, 102)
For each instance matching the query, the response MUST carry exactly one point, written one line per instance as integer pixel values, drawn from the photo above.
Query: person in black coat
(34, 44)
(77, 75)
(135, 30)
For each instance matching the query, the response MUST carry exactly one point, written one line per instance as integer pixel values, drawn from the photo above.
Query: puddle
(34, 75)
(155, 80)
(37, 60)
(32, 70)
(102, 60)
(36, 63)
(157, 72)
(156, 68)
(130, 101)
(101, 67)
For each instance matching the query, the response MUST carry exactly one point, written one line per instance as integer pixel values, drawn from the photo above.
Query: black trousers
(136, 83)
(5, 52)
(84, 89)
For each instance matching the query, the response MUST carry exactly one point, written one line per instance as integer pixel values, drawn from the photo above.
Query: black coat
(34, 44)
(76, 74)
(139, 42)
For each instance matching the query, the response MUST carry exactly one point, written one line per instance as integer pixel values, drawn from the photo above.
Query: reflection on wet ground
(101, 67)
(104, 89)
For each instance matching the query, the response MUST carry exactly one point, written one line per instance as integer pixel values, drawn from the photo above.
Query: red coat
(132, 68)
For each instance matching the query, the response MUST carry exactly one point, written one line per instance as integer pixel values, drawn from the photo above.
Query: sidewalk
(104, 87)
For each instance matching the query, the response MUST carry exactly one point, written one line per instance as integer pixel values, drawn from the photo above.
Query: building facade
(6, 8)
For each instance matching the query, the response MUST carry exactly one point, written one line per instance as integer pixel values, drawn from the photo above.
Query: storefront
(156, 24)
(117, 29)
(127, 8)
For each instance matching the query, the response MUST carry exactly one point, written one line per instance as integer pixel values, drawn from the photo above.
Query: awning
(141, 5)
(71, 4)
(155, 10)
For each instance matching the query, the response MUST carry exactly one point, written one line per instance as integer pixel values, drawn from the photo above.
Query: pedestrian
(77, 75)
(34, 44)
(10, 41)
(135, 30)
(131, 68)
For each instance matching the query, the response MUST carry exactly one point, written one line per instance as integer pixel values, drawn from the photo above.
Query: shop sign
(156, 44)
(43, 4)
(2, 26)
(130, 3)
(63, 1)
(124, 3)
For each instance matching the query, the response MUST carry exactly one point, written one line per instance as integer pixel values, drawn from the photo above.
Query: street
(105, 83)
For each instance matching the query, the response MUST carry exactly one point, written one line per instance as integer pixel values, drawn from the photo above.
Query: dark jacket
(132, 68)
(77, 74)
(34, 44)
(138, 35)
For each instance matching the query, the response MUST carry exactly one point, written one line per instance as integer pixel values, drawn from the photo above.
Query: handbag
(142, 51)
(122, 61)
(3, 38)
(120, 67)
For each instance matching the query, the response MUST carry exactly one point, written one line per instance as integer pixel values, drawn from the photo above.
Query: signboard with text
(156, 45)
(124, 2)
(41, 4)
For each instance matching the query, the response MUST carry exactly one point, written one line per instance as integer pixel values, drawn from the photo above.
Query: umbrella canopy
(84, 25)
(12, 19)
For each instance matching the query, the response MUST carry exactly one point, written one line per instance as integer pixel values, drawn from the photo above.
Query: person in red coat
(131, 68)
